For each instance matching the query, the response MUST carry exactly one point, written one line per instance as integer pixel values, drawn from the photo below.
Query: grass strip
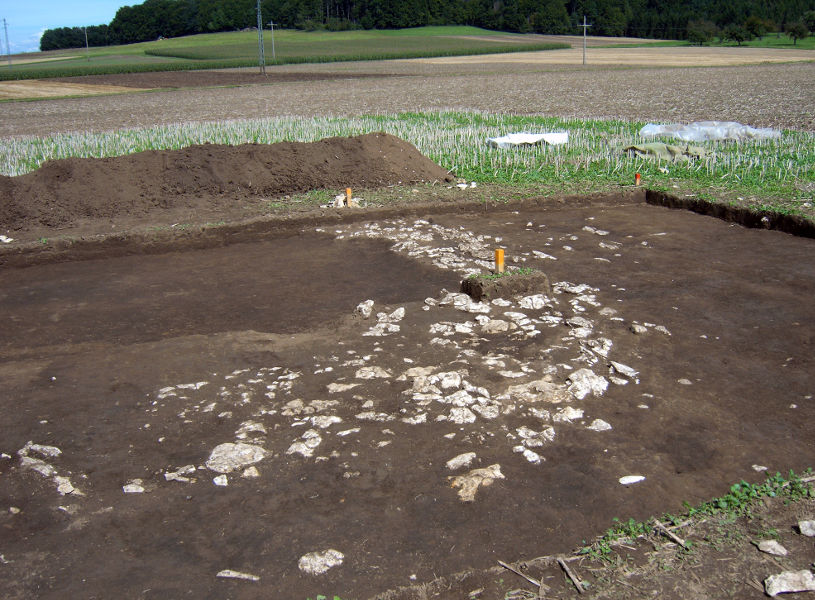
(738, 502)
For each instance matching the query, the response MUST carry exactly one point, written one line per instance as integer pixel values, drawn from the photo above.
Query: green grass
(737, 502)
(776, 174)
(771, 40)
(507, 273)
(237, 49)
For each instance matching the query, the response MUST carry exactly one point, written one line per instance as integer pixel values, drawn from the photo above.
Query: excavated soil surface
(673, 345)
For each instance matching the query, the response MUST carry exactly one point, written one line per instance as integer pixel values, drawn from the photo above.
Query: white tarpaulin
(703, 131)
(528, 139)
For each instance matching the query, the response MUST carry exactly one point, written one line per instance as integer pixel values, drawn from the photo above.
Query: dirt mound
(64, 191)
(514, 284)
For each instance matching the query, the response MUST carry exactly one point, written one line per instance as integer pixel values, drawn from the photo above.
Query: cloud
(30, 43)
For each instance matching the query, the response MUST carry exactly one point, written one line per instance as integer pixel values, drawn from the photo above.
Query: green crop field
(240, 49)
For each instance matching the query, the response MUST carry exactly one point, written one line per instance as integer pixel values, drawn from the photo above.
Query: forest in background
(695, 20)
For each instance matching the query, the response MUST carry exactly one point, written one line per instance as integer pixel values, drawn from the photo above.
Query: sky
(27, 19)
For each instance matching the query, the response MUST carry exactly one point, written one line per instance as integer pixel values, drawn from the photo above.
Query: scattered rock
(451, 380)
(181, 474)
(40, 449)
(229, 457)
(394, 317)
(250, 473)
(495, 326)
(221, 480)
(567, 415)
(528, 454)
(623, 370)
(461, 415)
(306, 446)
(584, 382)
(230, 574)
(539, 254)
(415, 420)
(789, 581)
(535, 439)
(460, 398)
(249, 427)
(772, 547)
(599, 425)
(372, 373)
(335, 388)
(470, 482)
(325, 421)
(65, 487)
(807, 528)
(534, 302)
(629, 479)
(365, 309)
(317, 563)
(637, 329)
(462, 460)
(40, 466)
(374, 416)
(134, 486)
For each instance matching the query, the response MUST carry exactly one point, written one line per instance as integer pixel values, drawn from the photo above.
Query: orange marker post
(348, 196)
(637, 179)
(499, 260)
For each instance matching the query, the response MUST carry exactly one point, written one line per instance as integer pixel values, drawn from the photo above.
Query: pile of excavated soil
(62, 192)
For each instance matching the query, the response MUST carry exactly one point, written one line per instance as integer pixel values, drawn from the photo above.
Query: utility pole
(87, 50)
(8, 51)
(274, 55)
(585, 26)
(261, 58)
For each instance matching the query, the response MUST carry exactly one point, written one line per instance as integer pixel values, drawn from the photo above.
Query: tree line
(696, 20)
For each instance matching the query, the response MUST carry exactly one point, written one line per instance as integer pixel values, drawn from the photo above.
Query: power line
(585, 26)
(8, 50)
(261, 58)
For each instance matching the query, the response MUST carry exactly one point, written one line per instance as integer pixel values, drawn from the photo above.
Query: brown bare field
(763, 95)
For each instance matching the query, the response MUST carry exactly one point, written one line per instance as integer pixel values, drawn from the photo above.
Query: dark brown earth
(135, 365)
(197, 79)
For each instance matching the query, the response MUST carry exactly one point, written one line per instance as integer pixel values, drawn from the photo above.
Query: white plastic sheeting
(512, 140)
(703, 131)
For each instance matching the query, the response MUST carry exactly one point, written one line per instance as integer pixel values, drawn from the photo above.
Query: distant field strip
(644, 56)
(37, 88)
